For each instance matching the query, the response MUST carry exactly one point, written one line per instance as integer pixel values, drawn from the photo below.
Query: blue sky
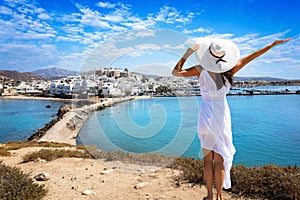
(147, 36)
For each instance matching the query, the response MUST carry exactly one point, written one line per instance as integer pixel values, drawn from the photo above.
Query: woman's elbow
(175, 73)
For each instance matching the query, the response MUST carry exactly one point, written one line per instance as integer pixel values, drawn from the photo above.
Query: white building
(110, 89)
(23, 88)
(60, 87)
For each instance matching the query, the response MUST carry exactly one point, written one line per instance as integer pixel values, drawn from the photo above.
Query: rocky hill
(20, 76)
(54, 72)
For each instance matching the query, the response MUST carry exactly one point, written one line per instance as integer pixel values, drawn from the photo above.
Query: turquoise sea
(19, 119)
(266, 128)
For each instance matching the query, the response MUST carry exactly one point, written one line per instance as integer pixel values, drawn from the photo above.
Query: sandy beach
(35, 98)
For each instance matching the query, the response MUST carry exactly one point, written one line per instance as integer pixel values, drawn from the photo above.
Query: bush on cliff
(16, 185)
(267, 182)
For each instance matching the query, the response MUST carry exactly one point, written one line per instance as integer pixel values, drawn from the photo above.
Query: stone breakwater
(66, 129)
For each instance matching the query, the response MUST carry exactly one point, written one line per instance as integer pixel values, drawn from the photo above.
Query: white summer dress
(214, 122)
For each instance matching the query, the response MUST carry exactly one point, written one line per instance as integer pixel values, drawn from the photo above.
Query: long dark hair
(228, 75)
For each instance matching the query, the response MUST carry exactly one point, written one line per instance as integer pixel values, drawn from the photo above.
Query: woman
(218, 63)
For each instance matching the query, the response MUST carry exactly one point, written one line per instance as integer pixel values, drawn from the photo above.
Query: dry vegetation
(16, 185)
(266, 182)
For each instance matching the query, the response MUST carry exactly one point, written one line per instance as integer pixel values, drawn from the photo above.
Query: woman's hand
(191, 50)
(276, 42)
(192, 71)
(245, 60)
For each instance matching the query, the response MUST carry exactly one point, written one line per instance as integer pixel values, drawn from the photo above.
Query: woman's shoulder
(200, 69)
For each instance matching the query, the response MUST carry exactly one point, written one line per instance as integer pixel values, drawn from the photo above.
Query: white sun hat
(217, 55)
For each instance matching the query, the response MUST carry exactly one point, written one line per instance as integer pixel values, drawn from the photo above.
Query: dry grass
(92, 152)
(191, 170)
(49, 154)
(4, 152)
(145, 159)
(266, 182)
(5, 148)
(25, 144)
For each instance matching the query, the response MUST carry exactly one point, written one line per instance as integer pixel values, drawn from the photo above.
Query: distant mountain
(54, 72)
(21, 76)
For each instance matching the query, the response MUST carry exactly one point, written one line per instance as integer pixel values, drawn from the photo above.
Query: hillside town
(103, 82)
(116, 82)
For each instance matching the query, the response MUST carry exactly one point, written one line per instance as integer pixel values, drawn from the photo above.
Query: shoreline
(21, 97)
(255, 93)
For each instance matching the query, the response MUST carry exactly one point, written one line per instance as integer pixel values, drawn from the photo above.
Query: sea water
(19, 119)
(266, 128)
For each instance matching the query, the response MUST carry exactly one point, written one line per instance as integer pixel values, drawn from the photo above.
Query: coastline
(66, 129)
(35, 98)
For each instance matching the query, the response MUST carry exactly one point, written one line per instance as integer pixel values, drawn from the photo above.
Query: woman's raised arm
(245, 60)
(193, 71)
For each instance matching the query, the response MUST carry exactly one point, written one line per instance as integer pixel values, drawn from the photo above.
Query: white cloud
(138, 24)
(222, 35)
(27, 57)
(198, 30)
(44, 16)
(145, 33)
(106, 5)
(5, 10)
(171, 15)
(113, 18)
(33, 27)
(66, 39)
(180, 47)
(153, 69)
(93, 18)
(67, 18)
(146, 46)
(39, 10)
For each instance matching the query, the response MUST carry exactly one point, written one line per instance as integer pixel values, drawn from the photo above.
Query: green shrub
(16, 185)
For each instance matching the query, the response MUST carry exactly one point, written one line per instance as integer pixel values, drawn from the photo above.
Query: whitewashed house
(111, 90)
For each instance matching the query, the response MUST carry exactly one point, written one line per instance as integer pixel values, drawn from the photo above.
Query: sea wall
(69, 122)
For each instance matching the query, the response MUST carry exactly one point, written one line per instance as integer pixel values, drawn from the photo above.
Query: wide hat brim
(208, 62)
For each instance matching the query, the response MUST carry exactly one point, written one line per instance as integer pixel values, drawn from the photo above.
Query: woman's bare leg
(208, 171)
(219, 174)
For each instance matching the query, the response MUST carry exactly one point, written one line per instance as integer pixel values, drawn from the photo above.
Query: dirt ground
(69, 177)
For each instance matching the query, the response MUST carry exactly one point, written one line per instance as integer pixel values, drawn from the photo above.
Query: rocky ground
(69, 178)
